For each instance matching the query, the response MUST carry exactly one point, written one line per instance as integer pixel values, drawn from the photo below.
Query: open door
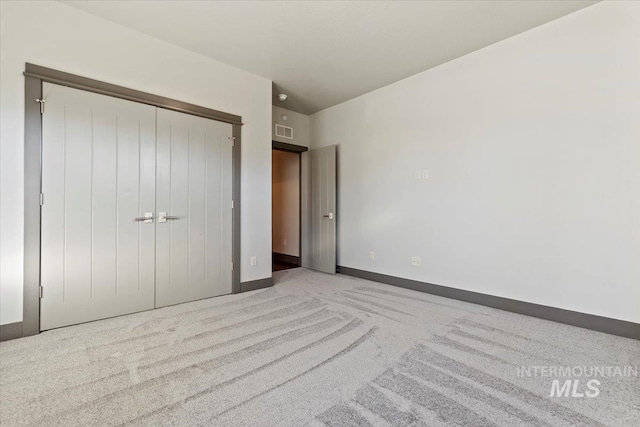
(319, 209)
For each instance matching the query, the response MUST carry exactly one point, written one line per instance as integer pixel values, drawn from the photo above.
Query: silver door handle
(147, 218)
(163, 217)
(330, 215)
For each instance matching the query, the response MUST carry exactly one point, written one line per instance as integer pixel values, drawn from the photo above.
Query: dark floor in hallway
(281, 265)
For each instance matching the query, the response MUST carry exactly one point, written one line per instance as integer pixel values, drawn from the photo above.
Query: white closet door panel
(147, 179)
(196, 208)
(104, 205)
(178, 205)
(219, 216)
(194, 185)
(53, 233)
(214, 252)
(226, 173)
(164, 250)
(98, 175)
(77, 213)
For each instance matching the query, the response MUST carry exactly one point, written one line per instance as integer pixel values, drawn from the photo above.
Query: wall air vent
(284, 132)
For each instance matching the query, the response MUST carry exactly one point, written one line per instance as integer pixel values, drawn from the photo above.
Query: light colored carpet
(313, 350)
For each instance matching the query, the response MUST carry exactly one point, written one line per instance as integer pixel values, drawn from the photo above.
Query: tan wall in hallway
(286, 202)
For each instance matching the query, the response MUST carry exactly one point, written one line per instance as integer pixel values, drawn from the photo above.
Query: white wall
(285, 205)
(533, 150)
(298, 121)
(57, 36)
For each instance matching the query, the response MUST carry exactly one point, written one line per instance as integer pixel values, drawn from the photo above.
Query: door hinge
(40, 292)
(232, 204)
(41, 199)
(41, 101)
(231, 266)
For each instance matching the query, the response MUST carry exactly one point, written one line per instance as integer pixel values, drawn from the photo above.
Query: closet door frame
(35, 75)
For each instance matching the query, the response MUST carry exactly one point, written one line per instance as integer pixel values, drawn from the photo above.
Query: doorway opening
(286, 206)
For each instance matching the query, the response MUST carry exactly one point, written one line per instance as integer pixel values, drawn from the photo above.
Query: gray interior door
(194, 194)
(321, 209)
(98, 176)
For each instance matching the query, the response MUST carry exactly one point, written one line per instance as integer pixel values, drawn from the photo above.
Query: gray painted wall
(533, 158)
(299, 123)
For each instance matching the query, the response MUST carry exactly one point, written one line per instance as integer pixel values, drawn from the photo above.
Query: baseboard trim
(10, 331)
(588, 321)
(290, 259)
(256, 284)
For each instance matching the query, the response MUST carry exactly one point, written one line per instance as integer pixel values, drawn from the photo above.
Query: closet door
(194, 194)
(98, 177)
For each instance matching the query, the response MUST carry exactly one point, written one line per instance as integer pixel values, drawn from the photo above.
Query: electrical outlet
(372, 255)
(254, 261)
(421, 174)
(284, 242)
(415, 261)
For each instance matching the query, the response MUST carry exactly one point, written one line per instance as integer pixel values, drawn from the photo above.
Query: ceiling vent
(284, 132)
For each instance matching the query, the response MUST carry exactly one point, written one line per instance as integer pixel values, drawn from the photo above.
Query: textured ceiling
(323, 53)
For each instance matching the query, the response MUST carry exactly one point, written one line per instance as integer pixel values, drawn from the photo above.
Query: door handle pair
(148, 217)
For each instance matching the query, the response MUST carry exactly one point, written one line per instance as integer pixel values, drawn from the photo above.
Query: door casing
(306, 239)
(34, 77)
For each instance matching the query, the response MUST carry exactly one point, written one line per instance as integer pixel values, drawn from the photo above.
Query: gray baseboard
(10, 331)
(588, 321)
(286, 258)
(256, 284)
